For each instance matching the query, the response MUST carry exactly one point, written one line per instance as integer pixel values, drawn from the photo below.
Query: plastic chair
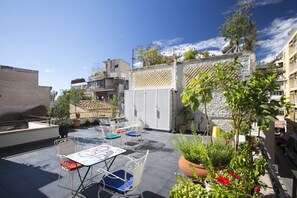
(66, 146)
(125, 181)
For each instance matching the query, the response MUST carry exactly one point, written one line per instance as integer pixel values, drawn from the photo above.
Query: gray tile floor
(32, 170)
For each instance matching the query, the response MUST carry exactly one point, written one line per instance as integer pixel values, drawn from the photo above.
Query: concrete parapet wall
(17, 137)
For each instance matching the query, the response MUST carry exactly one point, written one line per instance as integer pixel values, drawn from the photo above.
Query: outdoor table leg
(82, 181)
(108, 166)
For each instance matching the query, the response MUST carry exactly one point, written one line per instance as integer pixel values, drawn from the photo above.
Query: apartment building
(103, 84)
(290, 66)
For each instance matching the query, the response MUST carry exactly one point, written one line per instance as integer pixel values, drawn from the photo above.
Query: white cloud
(137, 64)
(214, 44)
(266, 2)
(49, 70)
(274, 37)
(167, 43)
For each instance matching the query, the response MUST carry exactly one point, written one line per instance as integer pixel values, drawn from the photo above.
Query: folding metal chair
(125, 181)
(66, 146)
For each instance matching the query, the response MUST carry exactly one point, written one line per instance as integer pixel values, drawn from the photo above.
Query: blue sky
(66, 39)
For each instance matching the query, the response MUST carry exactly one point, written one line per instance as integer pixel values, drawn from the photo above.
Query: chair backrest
(113, 125)
(65, 146)
(136, 167)
(138, 127)
(105, 130)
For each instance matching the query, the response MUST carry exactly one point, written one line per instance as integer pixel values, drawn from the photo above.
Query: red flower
(223, 180)
(257, 189)
(233, 175)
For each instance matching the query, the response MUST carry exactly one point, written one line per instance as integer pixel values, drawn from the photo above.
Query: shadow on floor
(18, 179)
(22, 148)
(150, 145)
(92, 192)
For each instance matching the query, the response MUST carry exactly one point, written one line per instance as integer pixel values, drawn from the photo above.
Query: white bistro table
(89, 157)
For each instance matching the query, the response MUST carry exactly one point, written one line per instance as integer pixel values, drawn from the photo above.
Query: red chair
(66, 146)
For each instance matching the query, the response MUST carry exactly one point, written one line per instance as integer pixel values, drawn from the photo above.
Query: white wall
(16, 137)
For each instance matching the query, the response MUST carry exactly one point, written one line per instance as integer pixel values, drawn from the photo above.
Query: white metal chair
(125, 181)
(108, 134)
(66, 146)
(135, 136)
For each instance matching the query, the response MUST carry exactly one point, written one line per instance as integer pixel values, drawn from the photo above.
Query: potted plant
(198, 93)
(61, 113)
(185, 113)
(240, 179)
(201, 158)
(75, 97)
(87, 118)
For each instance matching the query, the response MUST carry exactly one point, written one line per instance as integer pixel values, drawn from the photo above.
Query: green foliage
(199, 92)
(186, 188)
(61, 109)
(239, 28)
(192, 148)
(210, 155)
(220, 153)
(248, 99)
(114, 104)
(190, 54)
(75, 97)
(185, 113)
(238, 180)
(53, 95)
(150, 56)
(205, 54)
(248, 169)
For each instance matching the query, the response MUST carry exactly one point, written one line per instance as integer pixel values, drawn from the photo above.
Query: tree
(150, 55)
(190, 54)
(239, 28)
(53, 95)
(75, 97)
(205, 54)
(199, 92)
(114, 104)
(61, 109)
(248, 99)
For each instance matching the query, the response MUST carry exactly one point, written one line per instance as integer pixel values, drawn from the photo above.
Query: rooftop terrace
(32, 170)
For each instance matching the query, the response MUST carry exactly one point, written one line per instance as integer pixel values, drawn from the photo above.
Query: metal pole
(294, 184)
(131, 77)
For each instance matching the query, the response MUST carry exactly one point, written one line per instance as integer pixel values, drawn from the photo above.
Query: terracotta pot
(76, 123)
(187, 168)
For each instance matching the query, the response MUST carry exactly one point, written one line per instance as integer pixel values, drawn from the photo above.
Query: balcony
(293, 67)
(97, 76)
(293, 50)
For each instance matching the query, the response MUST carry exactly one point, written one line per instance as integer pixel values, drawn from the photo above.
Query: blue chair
(125, 181)
(136, 132)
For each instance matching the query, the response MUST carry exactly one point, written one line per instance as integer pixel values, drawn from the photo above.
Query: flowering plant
(239, 179)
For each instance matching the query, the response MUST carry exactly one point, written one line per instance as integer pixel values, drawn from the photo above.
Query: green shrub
(194, 150)
(186, 188)
(219, 153)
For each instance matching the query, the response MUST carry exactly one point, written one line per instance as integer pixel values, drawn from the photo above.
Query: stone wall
(20, 91)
